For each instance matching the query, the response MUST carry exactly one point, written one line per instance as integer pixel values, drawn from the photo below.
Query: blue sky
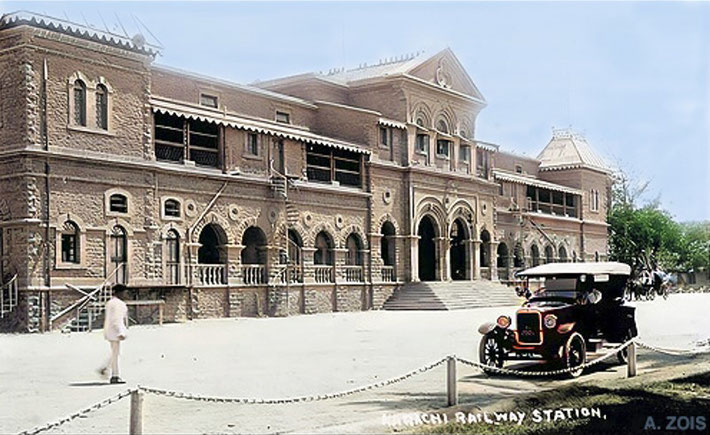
(632, 77)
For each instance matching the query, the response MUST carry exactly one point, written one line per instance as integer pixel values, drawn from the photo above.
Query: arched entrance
(549, 254)
(485, 248)
(518, 256)
(212, 256)
(457, 252)
(254, 256)
(428, 257)
(387, 252)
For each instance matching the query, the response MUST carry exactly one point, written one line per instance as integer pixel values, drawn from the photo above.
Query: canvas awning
(529, 181)
(242, 123)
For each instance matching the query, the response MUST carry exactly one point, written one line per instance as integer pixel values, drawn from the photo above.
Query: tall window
(354, 255)
(324, 250)
(327, 164)
(118, 248)
(385, 137)
(70, 243)
(464, 153)
(80, 103)
(172, 261)
(482, 163)
(422, 144)
(253, 144)
(442, 147)
(118, 203)
(594, 200)
(102, 107)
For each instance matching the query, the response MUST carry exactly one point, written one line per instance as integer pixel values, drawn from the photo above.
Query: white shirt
(115, 320)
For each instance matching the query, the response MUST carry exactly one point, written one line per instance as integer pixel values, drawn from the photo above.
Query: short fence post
(451, 393)
(631, 360)
(136, 419)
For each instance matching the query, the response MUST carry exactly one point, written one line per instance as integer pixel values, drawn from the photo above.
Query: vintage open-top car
(576, 308)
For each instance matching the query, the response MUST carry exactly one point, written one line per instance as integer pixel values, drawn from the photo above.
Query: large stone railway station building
(311, 193)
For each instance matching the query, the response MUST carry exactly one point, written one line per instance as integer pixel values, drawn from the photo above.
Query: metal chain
(700, 347)
(67, 419)
(487, 368)
(312, 398)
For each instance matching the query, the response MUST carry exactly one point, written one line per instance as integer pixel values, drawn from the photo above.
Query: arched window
(254, 241)
(324, 249)
(549, 254)
(70, 243)
(562, 253)
(102, 107)
(442, 126)
(118, 252)
(387, 244)
(118, 203)
(354, 247)
(172, 256)
(502, 255)
(485, 250)
(518, 255)
(171, 208)
(535, 254)
(79, 103)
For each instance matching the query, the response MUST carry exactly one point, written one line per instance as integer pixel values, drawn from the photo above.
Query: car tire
(490, 352)
(575, 353)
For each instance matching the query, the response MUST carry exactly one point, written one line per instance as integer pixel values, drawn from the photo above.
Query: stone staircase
(91, 316)
(8, 296)
(452, 295)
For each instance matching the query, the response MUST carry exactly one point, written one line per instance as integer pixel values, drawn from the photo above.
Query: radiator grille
(529, 328)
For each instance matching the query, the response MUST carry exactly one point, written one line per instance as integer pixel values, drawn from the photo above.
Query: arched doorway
(211, 256)
(535, 255)
(518, 256)
(457, 251)
(254, 256)
(428, 257)
(387, 251)
(562, 253)
(502, 261)
(549, 254)
(323, 258)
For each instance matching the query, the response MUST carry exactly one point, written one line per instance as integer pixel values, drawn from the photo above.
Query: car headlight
(503, 321)
(550, 321)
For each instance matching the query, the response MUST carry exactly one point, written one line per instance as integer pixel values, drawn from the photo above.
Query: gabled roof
(569, 150)
(415, 66)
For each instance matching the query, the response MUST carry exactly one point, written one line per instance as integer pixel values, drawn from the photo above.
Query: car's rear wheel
(575, 353)
(623, 354)
(490, 352)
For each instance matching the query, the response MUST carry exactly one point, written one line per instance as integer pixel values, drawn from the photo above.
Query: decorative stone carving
(233, 212)
(339, 222)
(190, 208)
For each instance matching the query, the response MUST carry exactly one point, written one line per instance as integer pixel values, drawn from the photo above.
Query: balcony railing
(323, 273)
(295, 273)
(254, 274)
(210, 274)
(353, 273)
(388, 274)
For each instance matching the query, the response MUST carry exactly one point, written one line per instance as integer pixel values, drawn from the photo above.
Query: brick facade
(229, 233)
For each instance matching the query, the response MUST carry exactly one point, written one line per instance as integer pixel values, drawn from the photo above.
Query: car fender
(487, 328)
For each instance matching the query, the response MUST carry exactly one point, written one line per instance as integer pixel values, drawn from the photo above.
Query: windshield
(558, 288)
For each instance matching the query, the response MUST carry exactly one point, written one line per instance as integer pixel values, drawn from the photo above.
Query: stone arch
(549, 254)
(433, 207)
(421, 109)
(214, 218)
(449, 117)
(534, 255)
(387, 217)
(118, 191)
(101, 80)
(463, 209)
(163, 232)
(310, 237)
(518, 255)
(428, 230)
(353, 229)
(563, 253)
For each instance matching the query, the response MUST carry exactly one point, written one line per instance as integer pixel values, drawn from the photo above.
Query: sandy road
(45, 377)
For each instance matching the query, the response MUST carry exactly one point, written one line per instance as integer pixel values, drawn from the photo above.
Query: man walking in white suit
(115, 331)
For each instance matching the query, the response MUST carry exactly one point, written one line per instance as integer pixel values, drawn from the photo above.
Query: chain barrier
(312, 398)
(604, 357)
(67, 419)
(699, 347)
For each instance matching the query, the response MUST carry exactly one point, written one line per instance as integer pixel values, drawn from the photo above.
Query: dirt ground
(46, 377)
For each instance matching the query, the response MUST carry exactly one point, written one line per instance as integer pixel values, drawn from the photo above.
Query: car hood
(545, 308)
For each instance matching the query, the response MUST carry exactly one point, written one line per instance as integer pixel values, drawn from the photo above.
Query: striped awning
(392, 123)
(170, 107)
(529, 181)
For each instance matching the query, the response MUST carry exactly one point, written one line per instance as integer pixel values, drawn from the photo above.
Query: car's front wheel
(575, 353)
(490, 352)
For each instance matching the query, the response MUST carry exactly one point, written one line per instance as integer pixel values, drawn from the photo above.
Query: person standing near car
(115, 331)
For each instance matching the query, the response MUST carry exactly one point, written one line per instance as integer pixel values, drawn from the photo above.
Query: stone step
(452, 295)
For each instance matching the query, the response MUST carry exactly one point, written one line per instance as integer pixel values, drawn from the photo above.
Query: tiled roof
(384, 68)
(570, 150)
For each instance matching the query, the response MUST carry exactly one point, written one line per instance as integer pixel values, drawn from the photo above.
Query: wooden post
(136, 418)
(631, 360)
(160, 314)
(451, 393)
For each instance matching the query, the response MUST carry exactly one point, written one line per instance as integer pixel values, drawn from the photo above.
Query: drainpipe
(368, 230)
(47, 259)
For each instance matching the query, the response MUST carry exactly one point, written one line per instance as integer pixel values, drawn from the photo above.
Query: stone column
(339, 257)
(273, 262)
(414, 258)
(234, 261)
(470, 267)
(493, 260)
(476, 246)
(375, 251)
(442, 255)
(191, 261)
(308, 274)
